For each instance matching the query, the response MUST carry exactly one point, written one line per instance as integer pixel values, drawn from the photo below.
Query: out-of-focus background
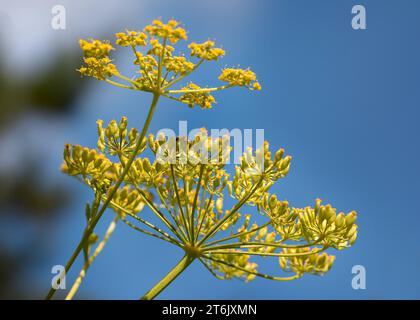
(343, 103)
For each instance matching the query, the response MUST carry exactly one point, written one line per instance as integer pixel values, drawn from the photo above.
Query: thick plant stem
(98, 216)
(171, 276)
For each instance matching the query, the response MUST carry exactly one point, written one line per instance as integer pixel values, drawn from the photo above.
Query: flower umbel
(228, 221)
(191, 191)
(157, 59)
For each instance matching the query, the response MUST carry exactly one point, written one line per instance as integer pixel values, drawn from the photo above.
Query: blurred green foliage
(53, 90)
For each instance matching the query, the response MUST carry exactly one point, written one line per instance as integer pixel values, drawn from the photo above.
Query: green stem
(197, 191)
(266, 254)
(255, 244)
(203, 217)
(171, 276)
(92, 258)
(187, 210)
(174, 217)
(178, 199)
(231, 213)
(96, 219)
(202, 90)
(157, 212)
(262, 275)
(117, 84)
(171, 83)
(150, 225)
(236, 235)
(151, 233)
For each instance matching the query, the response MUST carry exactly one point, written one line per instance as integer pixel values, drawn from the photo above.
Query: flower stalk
(99, 248)
(171, 276)
(91, 227)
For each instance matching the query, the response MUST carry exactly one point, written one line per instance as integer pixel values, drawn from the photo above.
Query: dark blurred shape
(9, 261)
(25, 200)
(28, 196)
(52, 89)
(59, 86)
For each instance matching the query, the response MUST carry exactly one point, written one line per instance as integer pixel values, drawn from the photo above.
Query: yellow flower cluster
(85, 162)
(116, 140)
(314, 263)
(260, 169)
(159, 67)
(99, 68)
(159, 50)
(324, 224)
(262, 165)
(192, 189)
(127, 199)
(261, 234)
(206, 50)
(146, 62)
(145, 173)
(95, 48)
(229, 269)
(178, 65)
(131, 38)
(240, 77)
(170, 31)
(96, 59)
(195, 96)
(321, 224)
(186, 183)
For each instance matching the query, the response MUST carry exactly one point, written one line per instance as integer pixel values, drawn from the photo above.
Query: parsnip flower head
(131, 38)
(85, 162)
(190, 179)
(206, 50)
(170, 31)
(225, 220)
(95, 48)
(160, 68)
(127, 199)
(195, 96)
(99, 68)
(317, 263)
(239, 77)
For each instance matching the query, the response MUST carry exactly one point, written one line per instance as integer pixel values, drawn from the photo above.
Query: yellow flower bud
(351, 218)
(340, 220)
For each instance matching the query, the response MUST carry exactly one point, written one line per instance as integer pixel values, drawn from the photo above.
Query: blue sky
(343, 103)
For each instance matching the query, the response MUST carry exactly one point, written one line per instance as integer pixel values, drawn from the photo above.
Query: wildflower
(159, 50)
(197, 97)
(95, 48)
(322, 224)
(146, 62)
(126, 200)
(227, 265)
(170, 31)
(262, 170)
(99, 68)
(206, 51)
(160, 68)
(192, 191)
(240, 77)
(131, 38)
(314, 263)
(85, 162)
(116, 140)
(256, 86)
(178, 65)
(186, 185)
(147, 174)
